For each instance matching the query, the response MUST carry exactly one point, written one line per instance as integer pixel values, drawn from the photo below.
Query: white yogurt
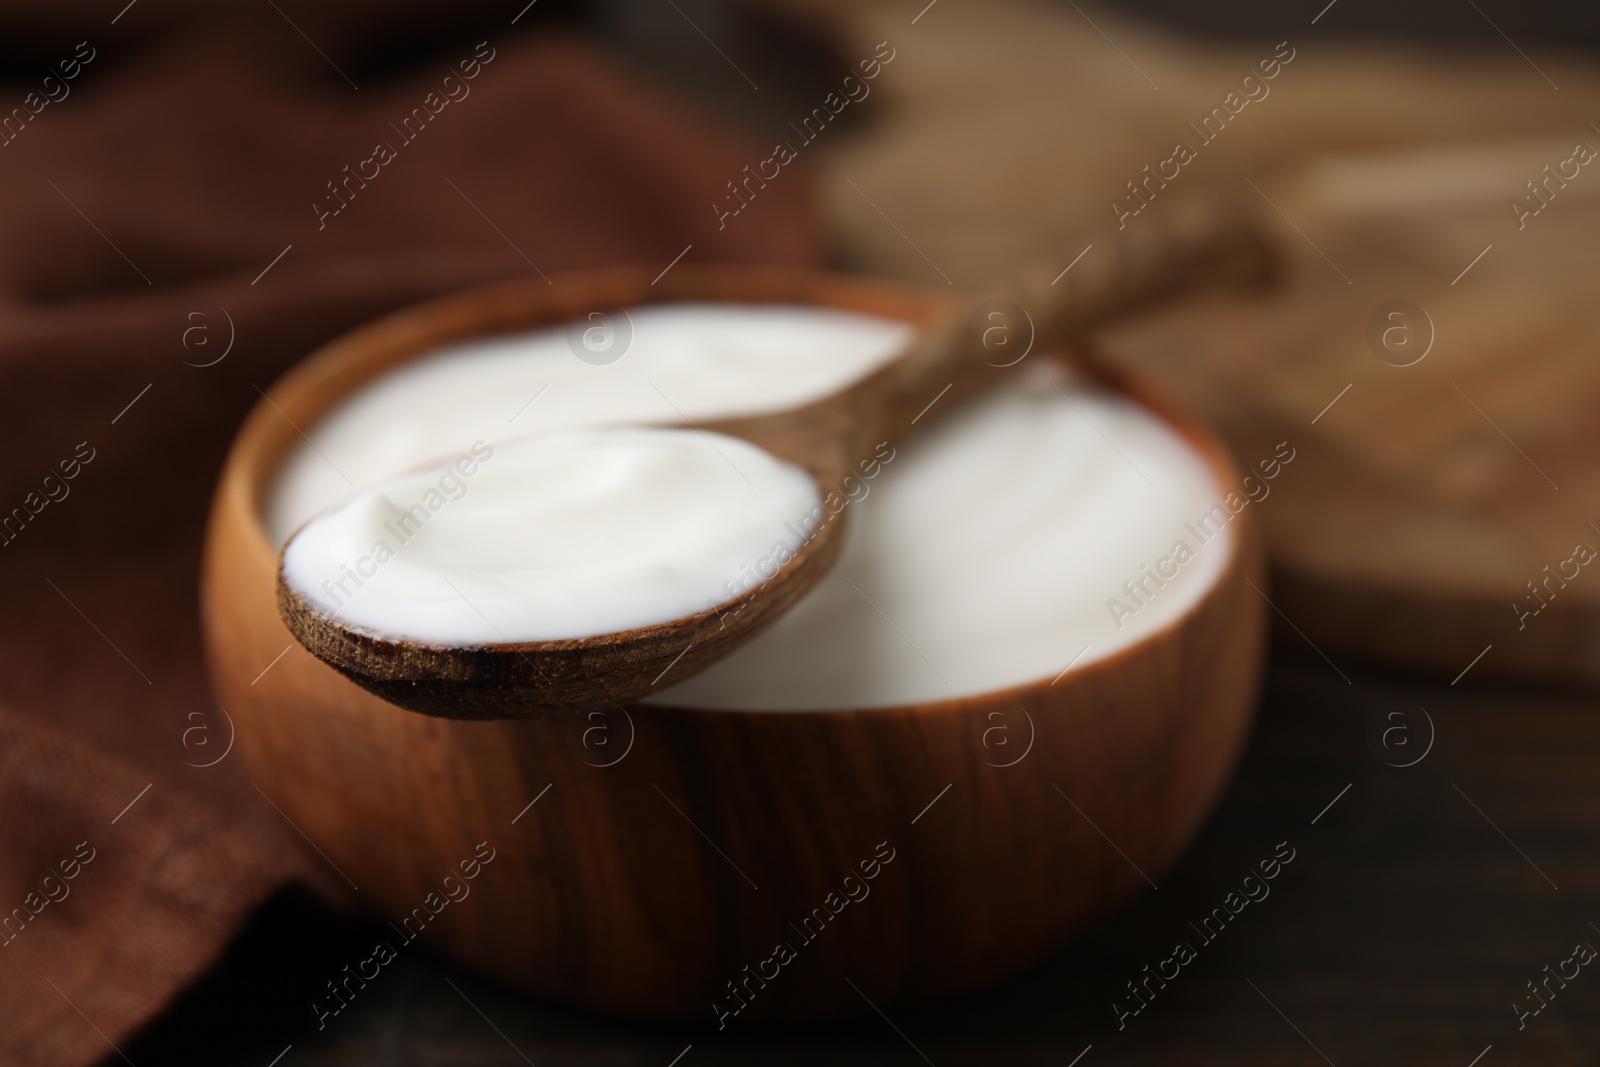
(985, 555)
(565, 534)
(682, 362)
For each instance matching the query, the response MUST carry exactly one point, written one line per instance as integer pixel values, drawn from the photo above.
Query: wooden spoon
(949, 363)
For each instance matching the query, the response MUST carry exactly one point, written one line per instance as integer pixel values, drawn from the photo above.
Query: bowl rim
(322, 379)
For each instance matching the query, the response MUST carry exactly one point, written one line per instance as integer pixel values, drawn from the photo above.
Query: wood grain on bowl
(675, 862)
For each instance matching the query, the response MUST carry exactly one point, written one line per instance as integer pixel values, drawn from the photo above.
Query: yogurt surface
(988, 553)
(566, 534)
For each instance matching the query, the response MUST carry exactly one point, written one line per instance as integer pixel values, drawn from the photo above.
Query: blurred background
(1426, 160)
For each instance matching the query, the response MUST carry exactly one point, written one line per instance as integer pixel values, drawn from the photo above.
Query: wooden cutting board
(1444, 404)
(1425, 498)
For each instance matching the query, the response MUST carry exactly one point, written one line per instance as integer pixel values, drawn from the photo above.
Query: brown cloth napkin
(160, 259)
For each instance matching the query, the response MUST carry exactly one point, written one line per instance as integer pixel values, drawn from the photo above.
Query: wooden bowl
(715, 864)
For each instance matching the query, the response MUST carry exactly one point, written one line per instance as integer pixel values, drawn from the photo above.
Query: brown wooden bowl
(671, 851)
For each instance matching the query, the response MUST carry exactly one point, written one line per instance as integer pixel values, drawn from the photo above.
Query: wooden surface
(647, 882)
(1431, 493)
(1402, 932)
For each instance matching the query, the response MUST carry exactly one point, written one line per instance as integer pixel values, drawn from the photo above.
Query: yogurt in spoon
(566, 534)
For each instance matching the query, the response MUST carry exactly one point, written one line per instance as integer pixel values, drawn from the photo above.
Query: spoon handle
(1205, 248)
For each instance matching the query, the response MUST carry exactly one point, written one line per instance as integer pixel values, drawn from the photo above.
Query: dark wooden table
(1420, 901)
